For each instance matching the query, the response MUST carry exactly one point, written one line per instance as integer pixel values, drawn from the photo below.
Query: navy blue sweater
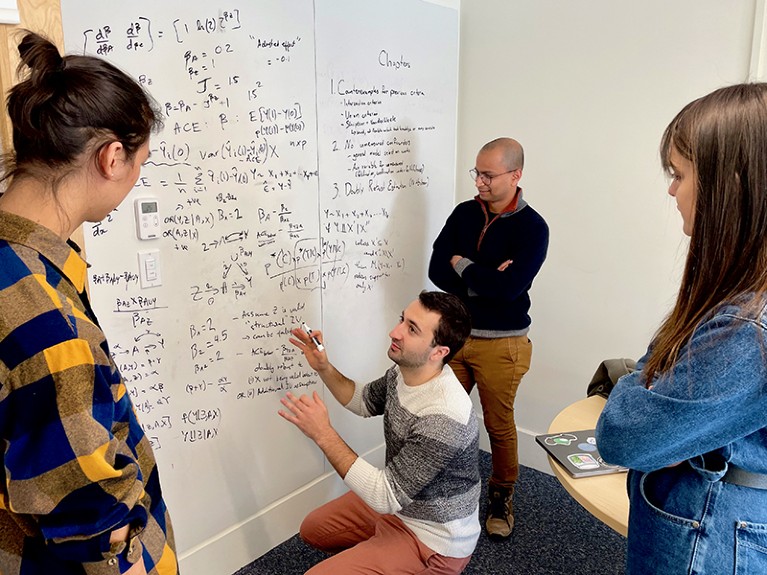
(497, 300)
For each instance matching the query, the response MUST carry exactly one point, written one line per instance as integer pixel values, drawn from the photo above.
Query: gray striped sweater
(431, 478)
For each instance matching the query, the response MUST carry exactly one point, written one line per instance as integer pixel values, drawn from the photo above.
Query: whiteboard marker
(308, 330)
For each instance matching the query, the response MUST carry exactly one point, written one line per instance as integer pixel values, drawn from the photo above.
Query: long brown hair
(724, 136)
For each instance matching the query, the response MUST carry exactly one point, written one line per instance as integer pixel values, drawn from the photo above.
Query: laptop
(577, 452)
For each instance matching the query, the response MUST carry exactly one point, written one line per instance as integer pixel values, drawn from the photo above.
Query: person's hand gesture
(308, 414)
(318, 359)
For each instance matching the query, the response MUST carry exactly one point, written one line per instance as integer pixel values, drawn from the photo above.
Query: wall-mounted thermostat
(147, 218)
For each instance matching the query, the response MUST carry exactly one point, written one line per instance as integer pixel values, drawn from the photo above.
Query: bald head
(511, 151)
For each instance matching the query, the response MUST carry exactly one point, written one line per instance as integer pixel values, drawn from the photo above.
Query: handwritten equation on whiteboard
(254, 229)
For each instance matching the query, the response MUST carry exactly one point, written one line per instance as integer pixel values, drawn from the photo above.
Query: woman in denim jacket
(691, 422)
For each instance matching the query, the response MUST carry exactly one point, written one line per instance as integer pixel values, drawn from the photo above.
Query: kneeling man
(419, 514)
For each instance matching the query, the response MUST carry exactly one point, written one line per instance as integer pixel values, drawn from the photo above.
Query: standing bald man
(488, 253)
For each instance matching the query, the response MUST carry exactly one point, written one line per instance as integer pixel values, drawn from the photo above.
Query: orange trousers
(366, 542)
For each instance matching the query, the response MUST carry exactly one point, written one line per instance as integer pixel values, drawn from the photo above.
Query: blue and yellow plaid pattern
(76, 463)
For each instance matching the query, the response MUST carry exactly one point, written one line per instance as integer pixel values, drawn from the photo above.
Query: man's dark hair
(454, 321)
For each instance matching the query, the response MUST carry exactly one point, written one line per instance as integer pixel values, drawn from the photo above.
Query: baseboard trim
(530, 453)
(242, 543)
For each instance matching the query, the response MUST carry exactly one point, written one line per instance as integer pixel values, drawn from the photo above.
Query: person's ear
(110, 160)
(440, 352)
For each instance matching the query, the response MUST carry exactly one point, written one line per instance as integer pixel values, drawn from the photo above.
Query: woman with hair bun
(80, 488)
(691, 422)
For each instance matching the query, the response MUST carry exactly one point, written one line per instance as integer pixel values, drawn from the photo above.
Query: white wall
(587, 87)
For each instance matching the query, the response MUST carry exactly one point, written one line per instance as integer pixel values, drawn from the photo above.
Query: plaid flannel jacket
(76, 463)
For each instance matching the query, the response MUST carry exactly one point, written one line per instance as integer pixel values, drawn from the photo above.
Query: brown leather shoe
(500, 512)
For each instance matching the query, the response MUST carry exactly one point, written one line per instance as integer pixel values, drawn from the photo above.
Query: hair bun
(40, 55)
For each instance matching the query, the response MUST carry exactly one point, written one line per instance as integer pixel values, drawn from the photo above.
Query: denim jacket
(707, 413)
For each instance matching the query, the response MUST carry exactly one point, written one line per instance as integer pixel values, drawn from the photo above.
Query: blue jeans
(684, 521)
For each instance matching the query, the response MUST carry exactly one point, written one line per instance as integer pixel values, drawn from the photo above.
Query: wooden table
(604, 496)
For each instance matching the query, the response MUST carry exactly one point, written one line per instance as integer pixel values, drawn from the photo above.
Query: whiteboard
(306, 164)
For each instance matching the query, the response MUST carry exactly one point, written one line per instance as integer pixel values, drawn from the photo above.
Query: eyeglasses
(485, 177)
